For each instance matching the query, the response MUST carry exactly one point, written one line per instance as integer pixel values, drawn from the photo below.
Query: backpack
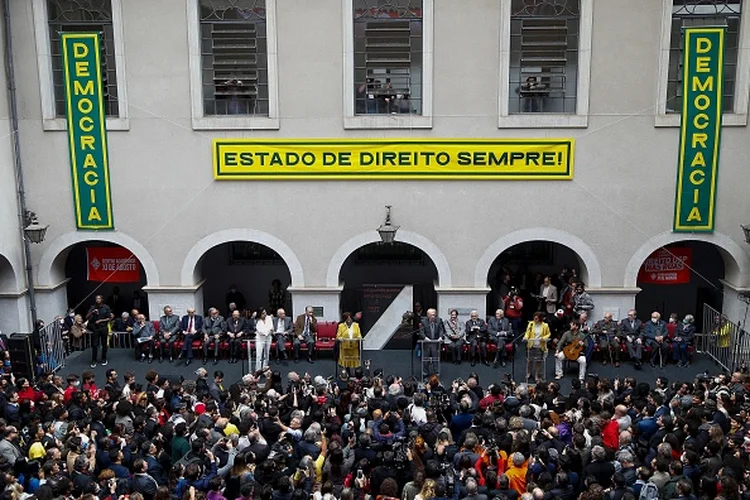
(649, 491)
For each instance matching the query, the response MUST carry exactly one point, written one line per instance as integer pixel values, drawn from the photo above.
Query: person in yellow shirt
(536, 337)
(346, 334)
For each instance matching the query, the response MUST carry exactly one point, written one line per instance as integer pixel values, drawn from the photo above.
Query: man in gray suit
(432, 330)
(282, 330)
(9, 450)
(169, 327)
(500, 332)
(214, 328)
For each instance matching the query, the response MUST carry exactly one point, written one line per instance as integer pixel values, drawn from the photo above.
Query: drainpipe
(10, 76)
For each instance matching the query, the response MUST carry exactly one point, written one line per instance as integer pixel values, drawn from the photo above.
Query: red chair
(326, 337)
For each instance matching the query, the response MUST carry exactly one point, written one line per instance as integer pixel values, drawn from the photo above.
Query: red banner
(112, 264)
(667, 266)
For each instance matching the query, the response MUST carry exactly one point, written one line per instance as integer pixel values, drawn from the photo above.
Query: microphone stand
(513, 363)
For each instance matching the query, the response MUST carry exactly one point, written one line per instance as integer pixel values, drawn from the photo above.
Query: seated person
(682, 339)
(608, 335)
(143, 332)
(572, 336)
(214, 330)
(499, 333)
(282, 330)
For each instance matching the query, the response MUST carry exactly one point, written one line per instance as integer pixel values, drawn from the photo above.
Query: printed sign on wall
(700, 130)
(667, 266)
(377, 159)
(87, 134)
(112, 264)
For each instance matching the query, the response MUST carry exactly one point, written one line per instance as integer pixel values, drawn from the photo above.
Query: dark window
(388, 56)
(689, 13)
(544, 56)
(91, 16)
(234, 60)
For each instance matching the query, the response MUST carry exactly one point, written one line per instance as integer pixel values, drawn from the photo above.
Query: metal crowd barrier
(723, 341)
(52, 357)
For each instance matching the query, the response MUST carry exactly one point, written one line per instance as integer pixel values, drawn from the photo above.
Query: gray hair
(311, 434)
(598, 453)
(518, 459)
(625, 457)
(690, 318)
(471, 486)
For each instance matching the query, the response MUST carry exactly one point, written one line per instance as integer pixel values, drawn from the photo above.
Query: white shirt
(351, 331)
(545, 291)
(280, 326)
(264, 327)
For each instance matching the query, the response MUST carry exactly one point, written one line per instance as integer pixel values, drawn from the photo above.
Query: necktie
(190, 325)
(307, 325)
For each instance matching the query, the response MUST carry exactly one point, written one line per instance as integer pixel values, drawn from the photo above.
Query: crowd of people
(362, 437)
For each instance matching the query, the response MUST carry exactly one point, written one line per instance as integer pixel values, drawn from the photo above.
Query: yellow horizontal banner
(393, 159)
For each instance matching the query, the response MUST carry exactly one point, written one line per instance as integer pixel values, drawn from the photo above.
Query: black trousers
(99, 336)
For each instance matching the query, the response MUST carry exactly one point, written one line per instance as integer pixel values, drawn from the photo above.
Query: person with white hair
(600, 468)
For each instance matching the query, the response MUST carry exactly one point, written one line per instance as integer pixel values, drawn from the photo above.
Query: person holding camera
(98, 319)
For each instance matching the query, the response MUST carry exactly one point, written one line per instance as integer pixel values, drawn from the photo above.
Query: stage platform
(396, 361)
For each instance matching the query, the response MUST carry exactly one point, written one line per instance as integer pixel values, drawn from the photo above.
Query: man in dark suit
(236, 331)
(192, 325)
(216, 388)
(98, 318)
(143, 482)
(476, 335)
(472, 490)
(632, 329)
(282, 330)
(499, 332)
(305, 327)
(169, 327)
(214, 328)
(431, 328)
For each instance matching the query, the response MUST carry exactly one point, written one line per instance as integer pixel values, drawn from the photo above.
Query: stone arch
(10, 278)
(52, 264)
(428, 247)
(591, 275)
(736, 259)
(189, 275)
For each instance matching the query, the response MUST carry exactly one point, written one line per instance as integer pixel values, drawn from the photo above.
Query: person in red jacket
(73, 386)
(89, 384)
(514, 308)
(494, 394)
(27, 393)
(610, 432)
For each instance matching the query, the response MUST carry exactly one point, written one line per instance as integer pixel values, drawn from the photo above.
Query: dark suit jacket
(636, 330)
(237, 326)
(299, 325)
(495, 326)
(197, 323)
(287, 325)
(482, 328)
(425, 332)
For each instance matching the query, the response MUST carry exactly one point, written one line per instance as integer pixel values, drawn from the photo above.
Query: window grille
(234, 55)
(91, 16)
(388, 56)
(544, 56)
(690, 13)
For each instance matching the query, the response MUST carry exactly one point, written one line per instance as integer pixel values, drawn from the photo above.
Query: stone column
(327, 298)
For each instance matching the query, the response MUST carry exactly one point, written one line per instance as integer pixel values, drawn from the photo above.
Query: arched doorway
(103, 268)
(375, 273)
(679, 278)
(7, 276)
(524, 265)
(10, 312)
(252, 268)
